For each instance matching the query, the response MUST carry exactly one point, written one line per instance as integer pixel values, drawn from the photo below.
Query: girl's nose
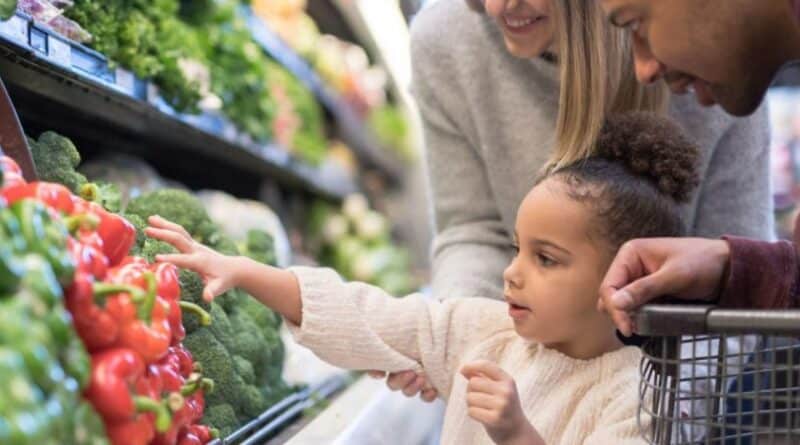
(511, 277)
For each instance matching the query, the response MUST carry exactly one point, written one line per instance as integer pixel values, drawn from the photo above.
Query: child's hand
(218, 271)
(492, 400)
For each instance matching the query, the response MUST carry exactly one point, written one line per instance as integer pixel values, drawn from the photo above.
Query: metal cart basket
(719, 376)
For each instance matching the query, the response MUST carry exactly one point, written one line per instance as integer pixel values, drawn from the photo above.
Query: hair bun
(652, 146)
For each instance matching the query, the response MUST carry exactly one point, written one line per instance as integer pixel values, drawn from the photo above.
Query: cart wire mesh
(719, 376)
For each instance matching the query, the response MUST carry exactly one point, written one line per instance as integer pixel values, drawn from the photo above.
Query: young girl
(543, 367)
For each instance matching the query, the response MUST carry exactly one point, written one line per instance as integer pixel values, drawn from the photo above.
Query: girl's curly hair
(643, 169)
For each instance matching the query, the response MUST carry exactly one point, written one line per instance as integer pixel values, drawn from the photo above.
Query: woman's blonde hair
(597, 78)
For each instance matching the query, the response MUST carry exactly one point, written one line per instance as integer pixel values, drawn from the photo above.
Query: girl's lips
(517, 312)
(520, 25)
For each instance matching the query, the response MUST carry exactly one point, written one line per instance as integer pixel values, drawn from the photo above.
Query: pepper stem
(102, 290)
(89, 191)
(205, 317)
(175, 401)
(145, 311)
(81, 221)
(214, 433)
(146, 404)
(204, 384)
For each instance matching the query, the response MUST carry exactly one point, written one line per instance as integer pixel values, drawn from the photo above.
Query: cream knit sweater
(569, 401)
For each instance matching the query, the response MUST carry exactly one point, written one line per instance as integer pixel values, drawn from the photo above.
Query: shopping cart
(701, 386)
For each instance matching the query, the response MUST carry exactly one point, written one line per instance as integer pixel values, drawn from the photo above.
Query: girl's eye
(515, 248)
(545, 261)
(634, 26)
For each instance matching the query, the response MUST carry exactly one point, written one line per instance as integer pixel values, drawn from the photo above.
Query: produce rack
(62, 85)
(351, 129)
(283, 413)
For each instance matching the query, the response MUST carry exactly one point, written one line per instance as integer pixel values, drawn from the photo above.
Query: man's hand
(492, 400)
(409, 382)
(644, 269)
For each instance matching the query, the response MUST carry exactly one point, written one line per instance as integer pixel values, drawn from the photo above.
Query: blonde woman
(501, 83)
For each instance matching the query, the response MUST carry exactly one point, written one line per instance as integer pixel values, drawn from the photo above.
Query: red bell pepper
(94, 324)
(186, 361)
(204, 433)
(187, 437)
(51, 194)
(117, 233)
(187, 405)
(145, 329)
(115, 373)
(88, 259)
(138, 431)
(12, 174)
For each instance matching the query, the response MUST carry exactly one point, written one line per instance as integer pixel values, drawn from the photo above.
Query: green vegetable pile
(43, 364)
(145, 36)
(356, 241)
(246, 362)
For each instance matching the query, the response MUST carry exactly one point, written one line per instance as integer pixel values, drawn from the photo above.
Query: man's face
(728, 51)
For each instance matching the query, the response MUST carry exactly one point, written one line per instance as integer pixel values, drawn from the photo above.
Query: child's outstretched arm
(492, 400)
(275, 288)
(349, 324)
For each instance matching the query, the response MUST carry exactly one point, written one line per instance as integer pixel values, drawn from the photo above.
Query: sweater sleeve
(761, 275)
(358, 326)
(470, 245)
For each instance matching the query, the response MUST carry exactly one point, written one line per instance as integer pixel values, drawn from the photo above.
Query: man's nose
(648, 68)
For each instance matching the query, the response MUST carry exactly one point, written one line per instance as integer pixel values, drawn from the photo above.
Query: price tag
(125, 80)
(60, 52)
(15, 28)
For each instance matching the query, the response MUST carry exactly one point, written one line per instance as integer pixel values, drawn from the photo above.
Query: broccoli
(221, 326)
(221, 417)
(178, 206)
(56, 159)
(259, 246)
(224, 245)
(245, 369)
(232, 299)
(192, 291)
(217, 365)
(253, 402)
(153, 247)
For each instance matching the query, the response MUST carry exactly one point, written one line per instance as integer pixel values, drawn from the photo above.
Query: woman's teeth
(518, 23)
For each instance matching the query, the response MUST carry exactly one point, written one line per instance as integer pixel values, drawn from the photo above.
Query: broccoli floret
(192, 291)
(221, 417)
(232, 299)
(178, 206)
(56, 159)
(221, 326)
(263, 316)
(245, 369)
(7, 8)
(253, 402)
(217, 364)
(259, 246)
(153, 247)
(224, 245)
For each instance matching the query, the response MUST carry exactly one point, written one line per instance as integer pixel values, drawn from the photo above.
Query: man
(728, 52)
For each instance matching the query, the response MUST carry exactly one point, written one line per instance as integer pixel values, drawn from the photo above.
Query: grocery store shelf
(59, 84)
(282, 414)
(352, 129)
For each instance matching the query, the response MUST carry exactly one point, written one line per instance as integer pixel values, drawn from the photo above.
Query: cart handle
(673, 320)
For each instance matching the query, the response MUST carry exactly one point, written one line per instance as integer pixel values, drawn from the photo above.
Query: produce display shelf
(76, 87)
(282, 414)
(352, 129)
